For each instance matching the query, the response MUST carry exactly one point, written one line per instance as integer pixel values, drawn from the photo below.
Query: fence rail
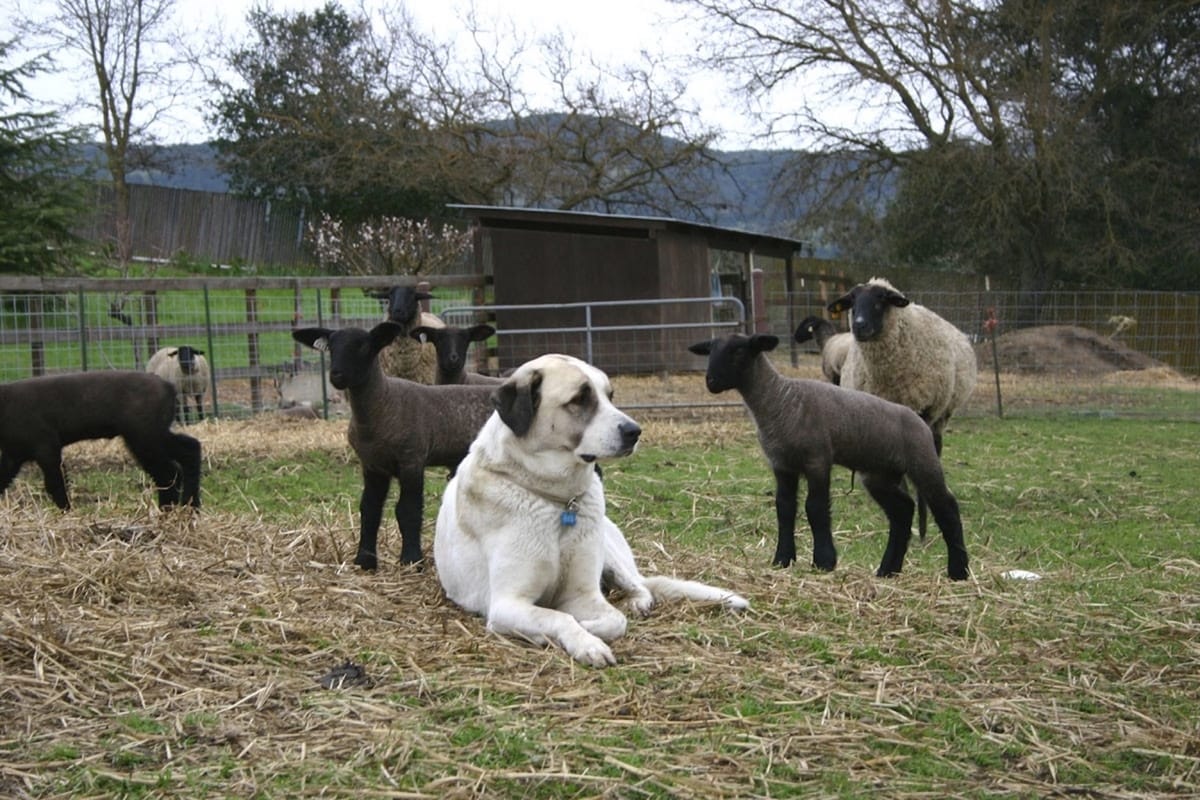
(48, 325)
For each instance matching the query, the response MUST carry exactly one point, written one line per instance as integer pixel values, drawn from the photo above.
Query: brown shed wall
(572, 266)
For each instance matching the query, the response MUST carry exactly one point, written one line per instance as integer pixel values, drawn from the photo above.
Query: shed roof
(717, 238)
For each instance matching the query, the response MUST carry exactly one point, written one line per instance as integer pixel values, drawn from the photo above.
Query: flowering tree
(387, 246)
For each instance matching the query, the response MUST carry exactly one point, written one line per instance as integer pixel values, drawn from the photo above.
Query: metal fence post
(212, 355)
(83, 365)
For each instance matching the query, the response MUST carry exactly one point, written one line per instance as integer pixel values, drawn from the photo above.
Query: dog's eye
(583, 396)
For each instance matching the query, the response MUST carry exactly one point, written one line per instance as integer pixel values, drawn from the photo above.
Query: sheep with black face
(187, 369)
(806, 426)
(904, 352)
(835, 345)
(405, 357)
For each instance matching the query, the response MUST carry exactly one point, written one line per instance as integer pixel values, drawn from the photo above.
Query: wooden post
(252, 351)
(758, 297)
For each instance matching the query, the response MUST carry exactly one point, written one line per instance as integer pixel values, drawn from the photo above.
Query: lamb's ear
(845, 302)
(421, 334)
(895, 298)
(316, 338)
(517, 401)
(762, 342)
(422, 296)
(479, 333)
(702, 348)
(384, 334)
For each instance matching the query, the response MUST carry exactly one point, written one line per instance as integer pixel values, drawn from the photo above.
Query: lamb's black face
(730, 357)
(806, 330)
(869, 305)
(350, 350)
(350, 356)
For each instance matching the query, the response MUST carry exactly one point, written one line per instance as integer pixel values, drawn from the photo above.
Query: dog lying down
(522, 536)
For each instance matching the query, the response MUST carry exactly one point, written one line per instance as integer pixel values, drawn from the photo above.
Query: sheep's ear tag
(424, 339)
(568, 513)
(321, 344)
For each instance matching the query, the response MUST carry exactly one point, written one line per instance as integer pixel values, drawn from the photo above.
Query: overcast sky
(612, 31)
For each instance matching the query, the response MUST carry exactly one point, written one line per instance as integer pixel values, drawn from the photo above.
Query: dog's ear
(517, 401)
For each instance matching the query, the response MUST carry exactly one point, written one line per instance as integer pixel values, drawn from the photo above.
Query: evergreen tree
(41, 196)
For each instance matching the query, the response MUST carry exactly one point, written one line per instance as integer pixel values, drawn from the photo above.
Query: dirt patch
(1067, 350)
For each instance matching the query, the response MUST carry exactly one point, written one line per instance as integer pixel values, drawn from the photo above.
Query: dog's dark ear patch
(517, 401)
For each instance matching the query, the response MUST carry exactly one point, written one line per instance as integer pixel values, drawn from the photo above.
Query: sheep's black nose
(630, 431)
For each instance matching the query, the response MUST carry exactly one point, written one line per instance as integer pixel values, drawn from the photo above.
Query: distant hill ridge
(744, 194)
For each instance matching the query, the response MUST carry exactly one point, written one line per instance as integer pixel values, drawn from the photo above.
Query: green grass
(185, 665)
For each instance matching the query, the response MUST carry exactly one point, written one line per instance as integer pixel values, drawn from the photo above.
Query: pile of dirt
(1064, 350)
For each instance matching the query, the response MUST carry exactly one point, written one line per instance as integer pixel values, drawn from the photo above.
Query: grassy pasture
(147, 655)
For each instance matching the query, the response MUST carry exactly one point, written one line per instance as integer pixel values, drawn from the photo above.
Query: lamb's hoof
(367, 561)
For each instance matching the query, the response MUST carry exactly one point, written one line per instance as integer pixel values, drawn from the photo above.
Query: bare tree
(1004, 126)
(434, 123)
(126, 49)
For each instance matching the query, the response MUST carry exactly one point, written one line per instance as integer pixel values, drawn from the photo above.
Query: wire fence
(1120, 353)
(1092, 352)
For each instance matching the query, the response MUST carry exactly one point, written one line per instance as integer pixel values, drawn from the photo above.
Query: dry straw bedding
(181, 657)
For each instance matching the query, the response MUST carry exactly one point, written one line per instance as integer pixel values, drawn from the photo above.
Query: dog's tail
(665, 589)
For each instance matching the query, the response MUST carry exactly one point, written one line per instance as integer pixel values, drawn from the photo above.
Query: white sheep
(186, 369)
(406, 357)
(835, 345)
(903, 352)
(398, 428)
(805, 427)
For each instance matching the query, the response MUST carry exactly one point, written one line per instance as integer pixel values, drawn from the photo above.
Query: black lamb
(41, 416)
(397, 428)
(806, 426)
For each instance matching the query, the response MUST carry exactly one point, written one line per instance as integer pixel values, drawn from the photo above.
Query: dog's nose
(630, 431)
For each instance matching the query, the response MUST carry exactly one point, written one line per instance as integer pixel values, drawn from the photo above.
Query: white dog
(522, 535)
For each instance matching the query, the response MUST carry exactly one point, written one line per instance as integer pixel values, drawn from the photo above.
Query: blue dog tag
(568, 513)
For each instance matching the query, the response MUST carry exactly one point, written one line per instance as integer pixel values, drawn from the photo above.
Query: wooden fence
(204, 226)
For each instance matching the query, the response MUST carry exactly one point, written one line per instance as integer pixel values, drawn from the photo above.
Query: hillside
(744, 192)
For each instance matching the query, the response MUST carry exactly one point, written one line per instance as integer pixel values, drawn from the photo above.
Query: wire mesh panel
(1085, 352)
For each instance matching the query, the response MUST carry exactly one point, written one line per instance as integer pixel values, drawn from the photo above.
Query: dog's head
(559, 403)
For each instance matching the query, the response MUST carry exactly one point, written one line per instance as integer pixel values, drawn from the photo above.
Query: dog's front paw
(735, 602)
(639, 601)
(590, 650)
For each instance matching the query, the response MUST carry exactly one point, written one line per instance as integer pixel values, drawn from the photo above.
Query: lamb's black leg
(49, 459)
(186, 453)
(922, 505)
(786, 485)
(817, 510)
(156, 459)
(410, 510)
(946, 515)
(10, 465)
(370, 510)
(888, 492)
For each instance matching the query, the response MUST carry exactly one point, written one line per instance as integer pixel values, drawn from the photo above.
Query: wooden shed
(625, 287)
